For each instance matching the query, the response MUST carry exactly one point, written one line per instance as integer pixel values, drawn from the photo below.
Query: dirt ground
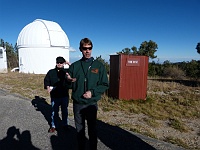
(191, 138)
(136, 122)
(118, 118)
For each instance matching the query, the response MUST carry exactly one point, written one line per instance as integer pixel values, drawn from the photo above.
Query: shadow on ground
(22, 141)
(63, 140)
(112, 137)
(117, 139)
(41, 105)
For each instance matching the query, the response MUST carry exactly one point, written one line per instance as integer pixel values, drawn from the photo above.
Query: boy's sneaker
(51, 130)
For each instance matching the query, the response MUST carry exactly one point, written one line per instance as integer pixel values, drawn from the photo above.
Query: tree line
(179, 70)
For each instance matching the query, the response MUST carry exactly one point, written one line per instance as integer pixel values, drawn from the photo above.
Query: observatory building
(39, 43)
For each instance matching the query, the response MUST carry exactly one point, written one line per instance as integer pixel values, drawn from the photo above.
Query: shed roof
(42, 33)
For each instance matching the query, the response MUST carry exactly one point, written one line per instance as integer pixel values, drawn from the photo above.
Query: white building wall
(39, 43)
(3, 61)
(40, 60)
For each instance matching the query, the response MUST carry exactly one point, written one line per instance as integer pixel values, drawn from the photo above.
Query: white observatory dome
(42, 33)
(39, 43)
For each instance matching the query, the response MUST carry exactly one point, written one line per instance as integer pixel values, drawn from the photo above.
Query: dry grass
(171, 111)
(27, 85)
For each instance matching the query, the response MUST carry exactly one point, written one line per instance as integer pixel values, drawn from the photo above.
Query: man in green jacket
(89, 81)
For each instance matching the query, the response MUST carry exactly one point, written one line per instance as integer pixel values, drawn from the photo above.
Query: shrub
(174, 73)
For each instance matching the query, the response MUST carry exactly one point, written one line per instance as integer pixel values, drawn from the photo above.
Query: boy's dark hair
(85, 41)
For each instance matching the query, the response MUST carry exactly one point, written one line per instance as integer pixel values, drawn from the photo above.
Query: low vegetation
(170, 113)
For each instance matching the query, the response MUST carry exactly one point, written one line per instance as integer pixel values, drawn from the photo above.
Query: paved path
(24, 124)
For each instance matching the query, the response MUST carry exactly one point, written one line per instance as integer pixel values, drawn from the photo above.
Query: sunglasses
(85, 48)
(59, 62)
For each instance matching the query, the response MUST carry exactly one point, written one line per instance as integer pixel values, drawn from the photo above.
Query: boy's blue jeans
(56, 103)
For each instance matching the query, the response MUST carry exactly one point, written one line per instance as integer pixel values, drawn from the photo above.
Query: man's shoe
(52, 129)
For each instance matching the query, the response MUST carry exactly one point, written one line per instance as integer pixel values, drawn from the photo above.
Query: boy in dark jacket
(56, 84)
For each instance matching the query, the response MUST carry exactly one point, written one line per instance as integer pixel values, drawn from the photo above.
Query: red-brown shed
(128, 77)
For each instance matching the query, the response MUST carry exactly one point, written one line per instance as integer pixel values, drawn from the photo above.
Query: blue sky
(113, 25)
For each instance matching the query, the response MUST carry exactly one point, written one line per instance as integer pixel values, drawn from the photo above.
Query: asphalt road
(24, 124)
